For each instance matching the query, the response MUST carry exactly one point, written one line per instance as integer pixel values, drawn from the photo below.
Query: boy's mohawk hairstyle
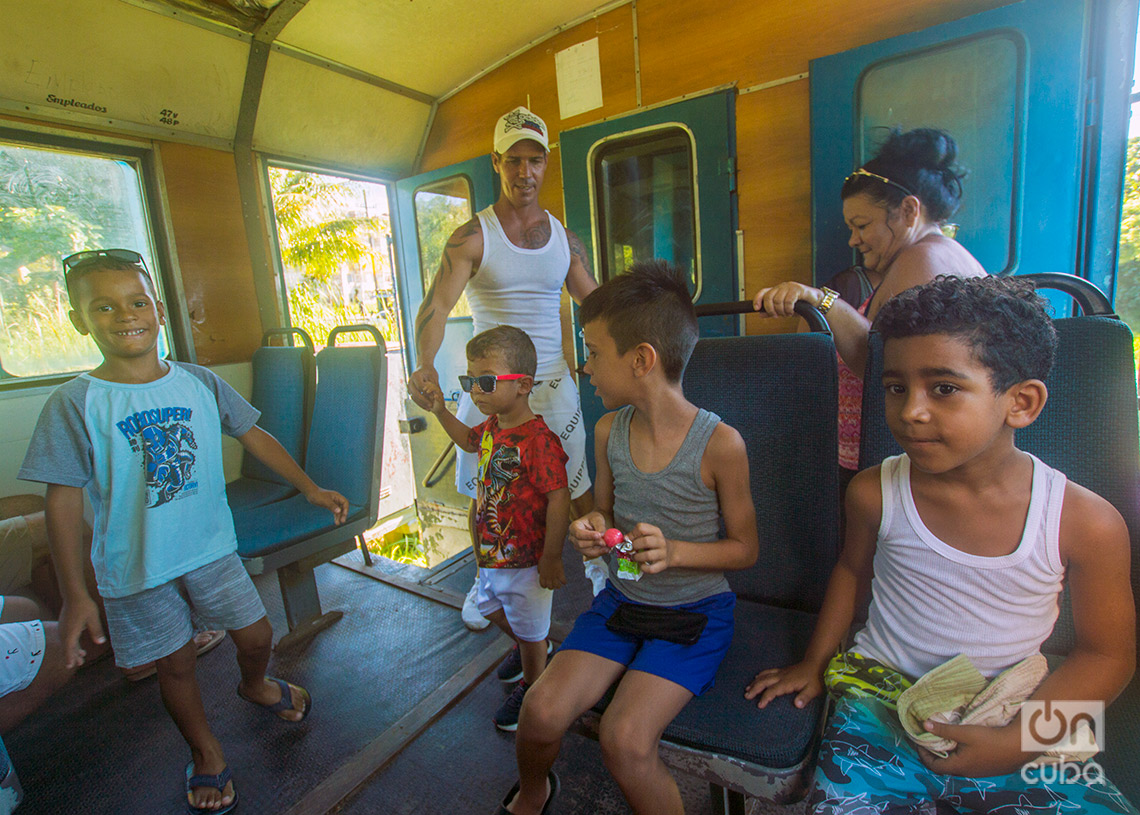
(649, 303)
(1003, 319)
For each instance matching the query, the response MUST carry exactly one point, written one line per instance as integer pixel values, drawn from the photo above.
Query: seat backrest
(875, 440)
(779, 392)
(1088, 429)
(284, 380)
(346, 435)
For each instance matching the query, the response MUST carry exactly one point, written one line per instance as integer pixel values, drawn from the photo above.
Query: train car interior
(289, 172)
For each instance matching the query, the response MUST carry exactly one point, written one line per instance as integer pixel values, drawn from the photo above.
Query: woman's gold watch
(829, 297)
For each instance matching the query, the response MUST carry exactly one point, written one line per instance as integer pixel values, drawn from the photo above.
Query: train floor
(401, 722)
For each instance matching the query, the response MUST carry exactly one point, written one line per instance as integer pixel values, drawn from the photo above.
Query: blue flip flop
(285, 703)
(218, 782)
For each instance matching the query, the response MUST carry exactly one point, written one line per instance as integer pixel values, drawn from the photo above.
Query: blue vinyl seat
(343, 452)
(284, 378)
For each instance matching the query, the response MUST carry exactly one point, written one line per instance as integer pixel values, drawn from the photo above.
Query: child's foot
(290, 702)
(209, 784)
(513, 806)
(470, 611)
(507, 716)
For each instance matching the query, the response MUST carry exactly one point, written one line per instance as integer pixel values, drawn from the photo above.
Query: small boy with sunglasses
(522, 507)
(143, 436)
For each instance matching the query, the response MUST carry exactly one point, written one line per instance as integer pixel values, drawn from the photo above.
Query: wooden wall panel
(774, 188)
(464, 123)
(687, 47)
(217, 275)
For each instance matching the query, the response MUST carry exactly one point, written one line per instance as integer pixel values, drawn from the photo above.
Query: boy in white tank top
(967, 539)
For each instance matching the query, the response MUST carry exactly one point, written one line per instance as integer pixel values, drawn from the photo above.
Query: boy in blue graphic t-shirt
(143, 436)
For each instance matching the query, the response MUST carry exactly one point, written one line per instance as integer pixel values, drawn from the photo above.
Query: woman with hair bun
(895, 206)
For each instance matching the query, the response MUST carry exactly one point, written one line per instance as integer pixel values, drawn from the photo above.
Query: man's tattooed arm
(579, 278)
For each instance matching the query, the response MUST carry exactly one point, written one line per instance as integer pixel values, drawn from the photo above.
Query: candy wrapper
(622, 547)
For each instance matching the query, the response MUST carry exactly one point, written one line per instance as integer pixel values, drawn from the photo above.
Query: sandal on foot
(217, 782)
(546, 810)
(285, 703)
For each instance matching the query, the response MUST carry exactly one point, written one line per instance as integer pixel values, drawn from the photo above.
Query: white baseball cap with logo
(517, 125)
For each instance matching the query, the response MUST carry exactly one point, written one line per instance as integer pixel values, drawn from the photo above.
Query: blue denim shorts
(693, 667)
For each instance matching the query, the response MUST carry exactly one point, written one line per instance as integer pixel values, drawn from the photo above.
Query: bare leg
(533, 653)
(629, 735)
(571, 684)
(178, 682)
(254, 645)
(51, 676)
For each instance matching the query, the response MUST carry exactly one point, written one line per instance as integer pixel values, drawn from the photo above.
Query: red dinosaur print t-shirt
(517, 467)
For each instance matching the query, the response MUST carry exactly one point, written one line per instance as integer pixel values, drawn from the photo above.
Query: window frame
(155, 218)
(642, 134)
(426, 187)
(265, 161)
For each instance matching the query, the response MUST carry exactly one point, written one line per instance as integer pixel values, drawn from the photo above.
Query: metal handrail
(814, 317)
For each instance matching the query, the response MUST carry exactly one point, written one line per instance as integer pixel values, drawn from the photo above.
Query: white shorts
(22, 645)
(556, 401)
(518, 593)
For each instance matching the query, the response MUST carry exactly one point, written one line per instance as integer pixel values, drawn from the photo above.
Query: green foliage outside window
(52, 204)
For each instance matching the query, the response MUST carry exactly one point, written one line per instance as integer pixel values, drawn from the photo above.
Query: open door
(1028, 91)
(428, 207)
(659, 183)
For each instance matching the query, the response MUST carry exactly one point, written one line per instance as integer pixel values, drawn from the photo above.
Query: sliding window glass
(53, 203)
(644, 194)
(441, 207)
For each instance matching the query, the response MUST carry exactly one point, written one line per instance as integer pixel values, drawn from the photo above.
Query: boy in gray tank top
(666, 474)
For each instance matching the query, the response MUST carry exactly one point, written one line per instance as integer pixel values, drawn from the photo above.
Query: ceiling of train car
(348, 82)
(429, 45)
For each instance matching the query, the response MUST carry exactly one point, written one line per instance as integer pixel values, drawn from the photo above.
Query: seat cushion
(723, 721)
(264, 529)
(246, 493)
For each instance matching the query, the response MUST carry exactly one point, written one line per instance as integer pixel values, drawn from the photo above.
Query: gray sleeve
(60, 451)
(238, 416)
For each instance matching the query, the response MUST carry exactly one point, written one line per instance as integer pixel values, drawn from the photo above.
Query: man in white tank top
(513, 259)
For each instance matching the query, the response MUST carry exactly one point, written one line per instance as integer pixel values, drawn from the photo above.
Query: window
(54, 202)
(334, 236)
(643, 190)
(970, 89)
(1127, 301)
(441, 207)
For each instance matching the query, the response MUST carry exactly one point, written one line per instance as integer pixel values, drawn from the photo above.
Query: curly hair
(921, 160)
(647, 303)
(1002, 319)
(512, 344)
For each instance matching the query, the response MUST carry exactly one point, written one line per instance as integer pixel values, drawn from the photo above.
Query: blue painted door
(658, 184)
(1016, 88)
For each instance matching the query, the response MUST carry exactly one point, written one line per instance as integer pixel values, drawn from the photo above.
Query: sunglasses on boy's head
(125, 255)
(486, 382)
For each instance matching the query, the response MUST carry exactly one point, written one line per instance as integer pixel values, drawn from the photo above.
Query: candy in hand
(613, 537)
